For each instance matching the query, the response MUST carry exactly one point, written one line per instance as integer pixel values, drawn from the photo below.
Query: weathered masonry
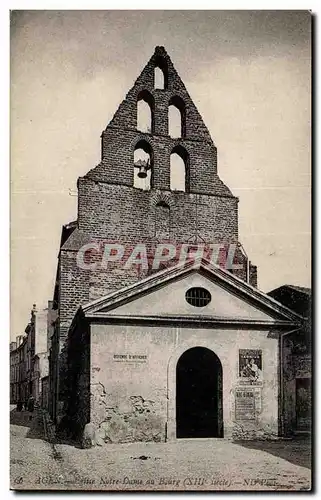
(157, 354)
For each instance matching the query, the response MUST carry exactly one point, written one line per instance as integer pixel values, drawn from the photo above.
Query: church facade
(191, 351)
(188, 348)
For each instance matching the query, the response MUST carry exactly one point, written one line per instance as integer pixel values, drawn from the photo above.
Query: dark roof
(297, 298)
(67, 230)
(76, 239)
(301, 289)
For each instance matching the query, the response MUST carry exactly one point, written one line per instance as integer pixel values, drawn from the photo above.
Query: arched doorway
(199, 409)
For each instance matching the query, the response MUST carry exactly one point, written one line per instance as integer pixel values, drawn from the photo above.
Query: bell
(142, 173)
(142, 166)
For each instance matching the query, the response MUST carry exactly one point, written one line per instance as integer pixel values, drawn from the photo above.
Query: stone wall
(122, 212)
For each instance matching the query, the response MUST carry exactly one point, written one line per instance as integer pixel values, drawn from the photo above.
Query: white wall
(154, 380)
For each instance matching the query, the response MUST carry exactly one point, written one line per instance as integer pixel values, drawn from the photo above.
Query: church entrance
(199, 408)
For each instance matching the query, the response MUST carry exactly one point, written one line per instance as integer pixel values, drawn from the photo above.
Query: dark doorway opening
(199, 408)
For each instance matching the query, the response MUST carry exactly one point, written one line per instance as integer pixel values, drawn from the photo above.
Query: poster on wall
(250, 366)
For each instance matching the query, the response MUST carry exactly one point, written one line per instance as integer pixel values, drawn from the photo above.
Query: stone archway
(199, 408)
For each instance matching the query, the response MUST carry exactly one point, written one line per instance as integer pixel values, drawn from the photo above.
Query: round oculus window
(198, 297)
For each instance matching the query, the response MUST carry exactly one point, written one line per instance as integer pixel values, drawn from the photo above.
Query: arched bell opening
(176, 117)
(160, 74)
(145, 112)
(179, 169)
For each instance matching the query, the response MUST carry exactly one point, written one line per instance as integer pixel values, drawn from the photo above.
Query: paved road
(187, 464)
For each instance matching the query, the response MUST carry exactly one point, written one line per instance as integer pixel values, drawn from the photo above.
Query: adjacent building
(297, 362)
(19, 386)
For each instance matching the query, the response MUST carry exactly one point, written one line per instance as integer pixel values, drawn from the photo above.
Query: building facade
(297, 362)
(191, 351)
(18, 370)
(121, 362)
(29, 356)
(44, 401)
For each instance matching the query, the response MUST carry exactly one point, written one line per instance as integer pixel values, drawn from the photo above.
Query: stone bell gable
(111, 206)
(121, 135)
(174, 91)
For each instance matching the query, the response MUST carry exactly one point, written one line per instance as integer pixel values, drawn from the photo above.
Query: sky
(249, 74)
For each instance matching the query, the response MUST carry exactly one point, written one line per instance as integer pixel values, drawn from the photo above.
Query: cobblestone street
(187, 464)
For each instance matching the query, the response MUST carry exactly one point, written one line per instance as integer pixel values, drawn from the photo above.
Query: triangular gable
(121, 136)
(158, 296)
